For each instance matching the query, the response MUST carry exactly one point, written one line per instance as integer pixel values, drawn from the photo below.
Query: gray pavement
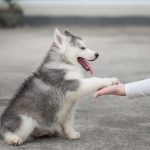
(107, 123)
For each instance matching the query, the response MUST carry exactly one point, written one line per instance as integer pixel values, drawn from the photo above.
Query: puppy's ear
(59, 38)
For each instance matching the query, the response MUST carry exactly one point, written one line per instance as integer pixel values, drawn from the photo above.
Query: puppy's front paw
(114, 81)
(73, 135)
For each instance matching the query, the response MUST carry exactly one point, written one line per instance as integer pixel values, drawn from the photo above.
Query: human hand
(111, 90)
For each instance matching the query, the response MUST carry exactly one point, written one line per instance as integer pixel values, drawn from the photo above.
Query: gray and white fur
(45, 103)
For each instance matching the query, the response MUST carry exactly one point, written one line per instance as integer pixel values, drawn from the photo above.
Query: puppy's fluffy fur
(45, 102)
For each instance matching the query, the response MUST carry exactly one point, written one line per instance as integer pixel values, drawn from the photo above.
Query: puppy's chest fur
(72, 77)
(63, 82)
(48, 95)
(65, 77)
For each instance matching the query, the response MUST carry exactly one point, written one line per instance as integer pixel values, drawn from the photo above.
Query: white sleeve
(138, 89)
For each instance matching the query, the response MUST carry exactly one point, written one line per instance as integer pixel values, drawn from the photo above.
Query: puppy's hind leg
(20, 135)
(12, 138)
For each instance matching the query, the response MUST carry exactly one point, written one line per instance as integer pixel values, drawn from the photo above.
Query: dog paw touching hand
(114, 81)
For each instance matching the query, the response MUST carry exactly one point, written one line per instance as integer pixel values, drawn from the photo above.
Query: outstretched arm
(132, 90)
(112, 90)
(138, 89)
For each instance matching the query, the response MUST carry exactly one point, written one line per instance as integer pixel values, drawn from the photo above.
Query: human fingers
(106, 91)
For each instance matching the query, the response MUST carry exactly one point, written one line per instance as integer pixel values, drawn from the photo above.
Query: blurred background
(15, 12)
(119, 30)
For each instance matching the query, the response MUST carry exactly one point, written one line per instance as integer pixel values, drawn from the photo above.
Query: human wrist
(121, 90)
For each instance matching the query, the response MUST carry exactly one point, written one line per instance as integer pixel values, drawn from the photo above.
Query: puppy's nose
(96, 55)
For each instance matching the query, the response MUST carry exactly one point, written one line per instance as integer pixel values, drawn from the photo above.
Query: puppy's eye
(83, 48)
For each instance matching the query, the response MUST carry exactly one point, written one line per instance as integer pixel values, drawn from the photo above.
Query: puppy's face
(74, 49)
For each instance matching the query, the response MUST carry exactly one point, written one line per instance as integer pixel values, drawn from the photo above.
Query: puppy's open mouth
(85, 64)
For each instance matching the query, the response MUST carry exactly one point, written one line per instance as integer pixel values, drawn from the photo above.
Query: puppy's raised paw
(115, 81)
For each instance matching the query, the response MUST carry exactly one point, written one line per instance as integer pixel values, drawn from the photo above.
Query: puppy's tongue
(85, 65)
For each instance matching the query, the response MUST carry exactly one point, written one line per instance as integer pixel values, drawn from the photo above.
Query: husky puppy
(45, 103)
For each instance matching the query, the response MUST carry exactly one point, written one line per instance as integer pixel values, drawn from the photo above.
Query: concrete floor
(107, 123)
